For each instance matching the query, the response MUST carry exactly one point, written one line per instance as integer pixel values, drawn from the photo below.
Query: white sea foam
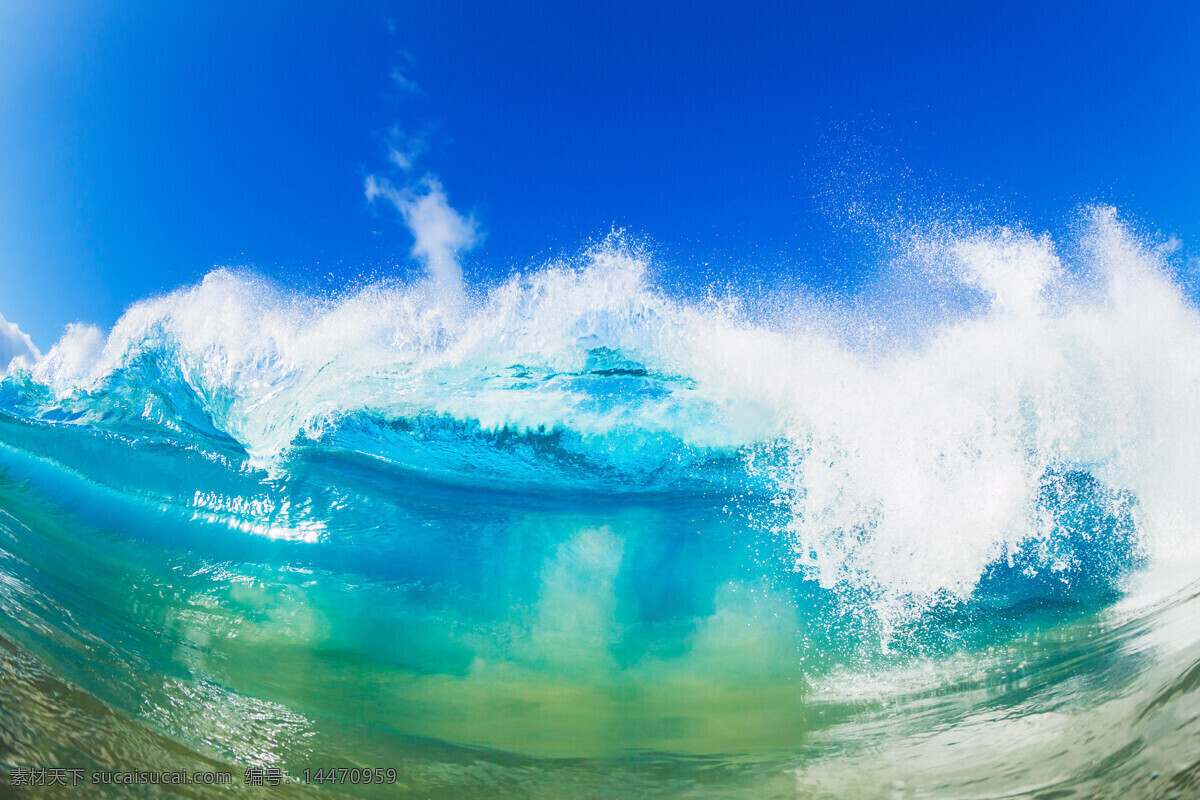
(915, 461)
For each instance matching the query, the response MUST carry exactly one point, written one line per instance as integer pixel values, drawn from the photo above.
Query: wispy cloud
(14, 344)
(405, 148)
(439, 232)
(404, 82)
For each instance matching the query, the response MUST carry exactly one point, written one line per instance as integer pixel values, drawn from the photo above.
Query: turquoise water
(577, 538)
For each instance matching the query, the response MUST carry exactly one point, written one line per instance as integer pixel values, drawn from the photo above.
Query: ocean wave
(576, 516)
(907, 470)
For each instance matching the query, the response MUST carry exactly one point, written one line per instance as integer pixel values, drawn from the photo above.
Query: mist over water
(574, 535)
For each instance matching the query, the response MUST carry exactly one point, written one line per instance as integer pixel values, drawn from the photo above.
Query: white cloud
(440, 232)
(15, 343)
(404, 149)
(404, 82)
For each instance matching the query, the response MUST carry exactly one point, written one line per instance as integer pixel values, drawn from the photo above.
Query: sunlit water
(577, 539)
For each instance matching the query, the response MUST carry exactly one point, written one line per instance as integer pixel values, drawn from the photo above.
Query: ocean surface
(578, 536)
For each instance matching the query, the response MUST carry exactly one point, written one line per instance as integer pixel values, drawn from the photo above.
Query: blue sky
(143, 143)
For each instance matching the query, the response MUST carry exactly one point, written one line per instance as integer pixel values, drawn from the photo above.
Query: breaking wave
(579, 516)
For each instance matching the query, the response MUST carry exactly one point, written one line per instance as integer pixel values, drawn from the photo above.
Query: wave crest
(908, 467)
